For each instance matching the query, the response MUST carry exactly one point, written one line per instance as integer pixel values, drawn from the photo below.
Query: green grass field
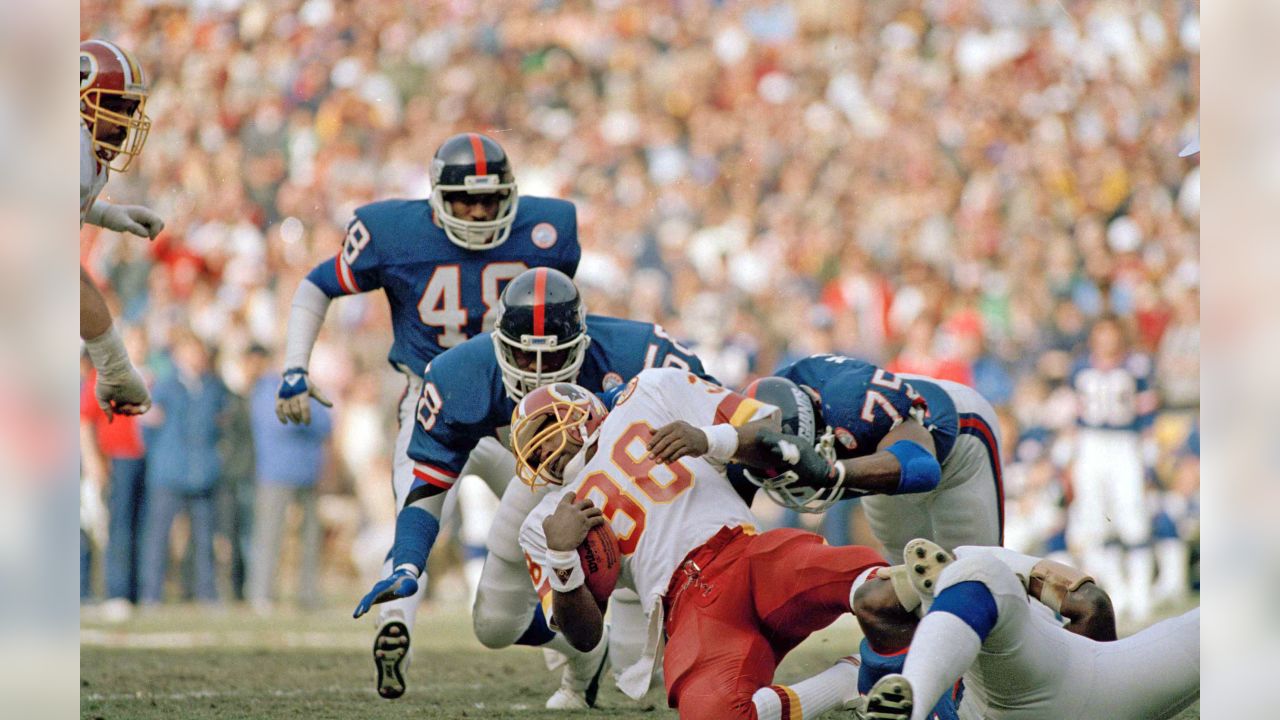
(194, 663)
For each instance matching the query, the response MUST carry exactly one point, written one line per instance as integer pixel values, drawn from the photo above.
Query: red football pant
(755, 598)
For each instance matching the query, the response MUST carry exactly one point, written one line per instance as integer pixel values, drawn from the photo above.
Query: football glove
(133, 219)
(401, 583)
(293, 399)
(794, 454)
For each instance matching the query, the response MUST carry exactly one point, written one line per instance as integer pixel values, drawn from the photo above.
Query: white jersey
(1031, 667)
(660, 513)
(93, 174)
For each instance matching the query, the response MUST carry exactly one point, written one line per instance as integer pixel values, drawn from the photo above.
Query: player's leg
(1154, 673)
(1087, 529)
(717, 661)
(967, 512)
(895, 520)
(801, 585)
(394, 619)
(1133, 526)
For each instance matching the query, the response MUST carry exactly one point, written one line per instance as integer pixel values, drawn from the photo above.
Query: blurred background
(959, 188)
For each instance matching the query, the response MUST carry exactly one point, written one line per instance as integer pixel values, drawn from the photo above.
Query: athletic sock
(943, 649)
(827, 690)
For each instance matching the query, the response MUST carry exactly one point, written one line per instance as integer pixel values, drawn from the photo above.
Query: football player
(923, 452)
(731, 602)
(442, 263)
(1114, 410)
(113, 129)
(542, 335)
(991, 617)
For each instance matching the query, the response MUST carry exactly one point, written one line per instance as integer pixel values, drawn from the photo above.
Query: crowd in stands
(949, 187)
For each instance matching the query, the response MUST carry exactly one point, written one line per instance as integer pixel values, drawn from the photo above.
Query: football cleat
(890, 698)
(391, 657)
(925, 560)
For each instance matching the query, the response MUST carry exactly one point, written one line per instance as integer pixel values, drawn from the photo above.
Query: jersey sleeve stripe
(434, 475)
(346, 279)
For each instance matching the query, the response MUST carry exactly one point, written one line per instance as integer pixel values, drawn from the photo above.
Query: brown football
(601, 562)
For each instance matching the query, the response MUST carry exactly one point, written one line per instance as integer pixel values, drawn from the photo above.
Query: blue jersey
(441, 294)
(463, 398)
(861, 403)
(1114, 398)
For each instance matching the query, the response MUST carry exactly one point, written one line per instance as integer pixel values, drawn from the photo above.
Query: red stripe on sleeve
(477, 147)
(727, 407)
(540, 301)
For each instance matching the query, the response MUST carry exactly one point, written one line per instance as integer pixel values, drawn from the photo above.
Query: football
(601, 562)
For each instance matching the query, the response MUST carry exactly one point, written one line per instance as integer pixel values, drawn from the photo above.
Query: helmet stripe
(477, 147)
(539, 301)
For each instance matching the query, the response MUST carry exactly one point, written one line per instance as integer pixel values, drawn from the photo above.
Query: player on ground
(543, 335)
(1115, 406)
(732, 603)
(991, 617)
(442, 263)
(113, 129)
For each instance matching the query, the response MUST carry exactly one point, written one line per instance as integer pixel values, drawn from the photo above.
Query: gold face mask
(549, 427)
(113, 102)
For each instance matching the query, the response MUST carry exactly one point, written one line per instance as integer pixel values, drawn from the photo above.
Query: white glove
(120, 389)
(133, 219)
(293, 400)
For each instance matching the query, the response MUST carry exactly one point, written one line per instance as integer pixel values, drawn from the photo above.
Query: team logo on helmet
(567, 392)
(846, 438)
(88, 70)
(544, 235)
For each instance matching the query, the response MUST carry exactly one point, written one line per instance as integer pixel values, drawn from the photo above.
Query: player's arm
(575, 610)
(120, 388)
(718, 424)
(133, 219)
(353, 270)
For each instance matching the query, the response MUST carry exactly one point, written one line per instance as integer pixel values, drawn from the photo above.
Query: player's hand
(567, 527)
(803, 459)
(400, 584)
(133, 219)
(122, 394)
(676, 440)
(292, 400)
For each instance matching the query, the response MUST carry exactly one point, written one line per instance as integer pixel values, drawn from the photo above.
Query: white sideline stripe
(236, 638)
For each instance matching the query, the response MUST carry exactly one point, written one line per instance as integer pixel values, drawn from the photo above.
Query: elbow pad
(920, 471)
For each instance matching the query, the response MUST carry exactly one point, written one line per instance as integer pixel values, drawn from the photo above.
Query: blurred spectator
(236, 492)
(183, 466)
(290, 459)
(117, 445)
(836, 176)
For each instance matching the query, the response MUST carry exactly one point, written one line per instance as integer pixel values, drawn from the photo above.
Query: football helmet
(473, 164)
(540, 331)
(113, 102)
(549, 426)
(801, 416)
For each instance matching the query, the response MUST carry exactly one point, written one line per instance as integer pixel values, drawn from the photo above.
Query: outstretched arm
(119, 389)
(903, 463)
(306, 317)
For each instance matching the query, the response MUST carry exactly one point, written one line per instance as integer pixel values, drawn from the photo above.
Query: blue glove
(293, 402)
(400, 584)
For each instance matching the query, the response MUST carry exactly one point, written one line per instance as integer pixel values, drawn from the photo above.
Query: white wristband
(409, 567)
(566, 570)
(108, 355)
(722, 441)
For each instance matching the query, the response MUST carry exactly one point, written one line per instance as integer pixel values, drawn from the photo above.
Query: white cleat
(890, 698)
(391, 657)
(925, 560)
(580, 682)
